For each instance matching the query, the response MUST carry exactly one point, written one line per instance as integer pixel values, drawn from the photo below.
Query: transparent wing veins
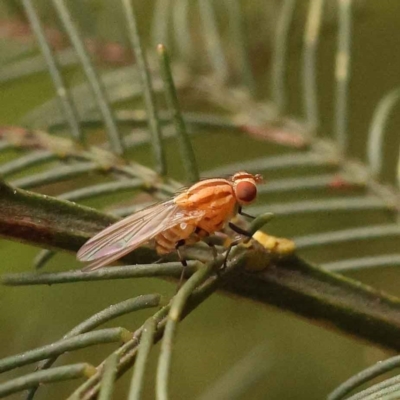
(124, 236)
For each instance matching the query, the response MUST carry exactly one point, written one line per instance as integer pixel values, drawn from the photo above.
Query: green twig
(289, 285)
(389, 389)
(114, 311)
(173, 269)
(333, 300)
(25, 162)
(212, 38)
(58, 174)
(159, 26)
(187, 153)
(48, 221)
(174, 316)
(356, 264)
(347, 235)
(54, 375)
(181, 30)
(146, 343)
(237, 33)
(102, 189)
(108, 378)
(70, 112)
(364, 376)
(111, 335)
(120, 84)
(342, 75)
(34, 64)
(138, 119)
(108, 314)
(311, 36)
(42, 258)
(344, 205)
(276, 163)
(128, 351)
(280, 51)
(376, 133)
(306, 183)
(148, 93)
(92, 76)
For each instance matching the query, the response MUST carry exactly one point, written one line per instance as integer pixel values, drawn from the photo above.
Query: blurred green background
(304, 361)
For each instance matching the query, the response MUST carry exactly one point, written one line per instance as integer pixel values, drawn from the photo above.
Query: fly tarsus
(241, 212)
(182, 259)
(228, 251)
(213, 249)
(240, 230)
(178, 245)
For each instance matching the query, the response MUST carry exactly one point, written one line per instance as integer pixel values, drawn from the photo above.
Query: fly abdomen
(166, 241)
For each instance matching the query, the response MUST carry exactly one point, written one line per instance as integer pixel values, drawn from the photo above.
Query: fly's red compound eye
(246, 192)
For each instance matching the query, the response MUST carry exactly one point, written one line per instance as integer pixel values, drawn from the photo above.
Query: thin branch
(91, 74)
(181, 30)
(212, 39)
(279, 58)
(27, 161)
(306, 183)
(281, 162)
(172, 269)
(120, 84)
(109, 375)
(108, 314)
(388, 389)
(146, 343)
(237, 34)
(185, 145)
(364, 376)
(54, 375)
(147, 88)
(58, 174)
(128, 351)
(175, 313)
(356, 264)
(42, 258)
(347, 235)
(290, 282)
(34, 64)
(110, 335)
(65, 99)
(342, 75)
(45, 221)
(329, 299)
(376, 132)
(344, 205)
(101, 189)
(161, 18)
(310, 39)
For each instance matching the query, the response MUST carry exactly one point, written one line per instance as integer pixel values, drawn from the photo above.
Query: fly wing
(124, 236)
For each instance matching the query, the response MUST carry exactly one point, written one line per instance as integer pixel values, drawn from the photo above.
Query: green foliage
(57, 143)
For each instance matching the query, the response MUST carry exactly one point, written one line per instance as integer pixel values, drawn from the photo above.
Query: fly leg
(204, 235)
(182, 259)
(241, 212)
(240, 231)
(213, 249)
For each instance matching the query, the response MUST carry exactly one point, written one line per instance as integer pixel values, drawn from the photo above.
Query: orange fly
(189, 217)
